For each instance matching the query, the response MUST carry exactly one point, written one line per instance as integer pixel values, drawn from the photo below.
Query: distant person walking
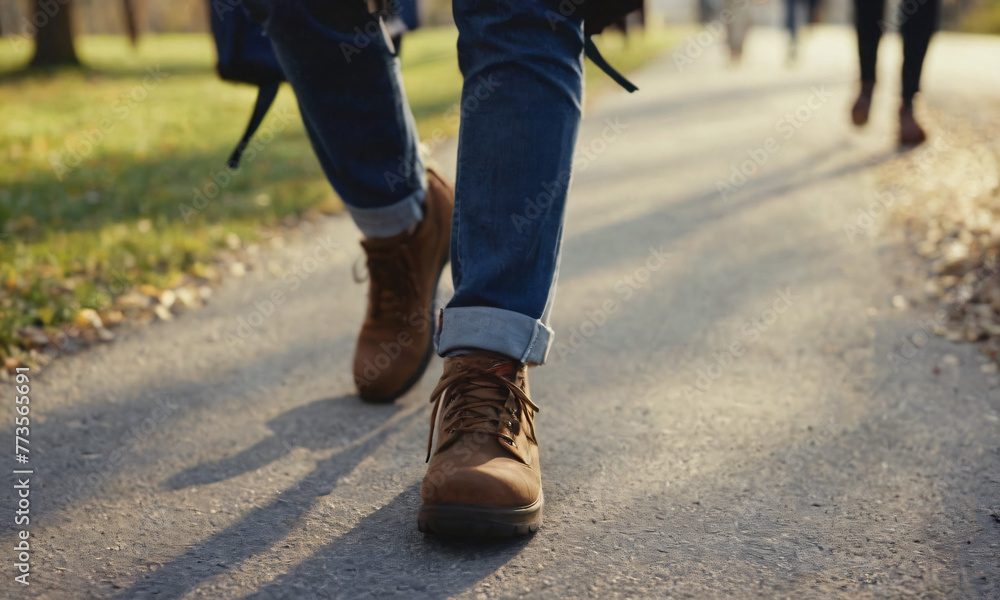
(737, 20)
(917, 20)
(796, 12)
(706, 11)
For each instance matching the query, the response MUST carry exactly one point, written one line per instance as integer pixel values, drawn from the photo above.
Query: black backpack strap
(590, 49)
(265, 98)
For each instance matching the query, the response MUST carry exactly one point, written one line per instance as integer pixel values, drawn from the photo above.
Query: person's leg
(704, 11)
(792, 24)
(521, 107)
(791, 19)
(736, 28)
(348, 82)
(867, 15)
(741, 27)
(918, 22)
(350, 92)
(813, 13)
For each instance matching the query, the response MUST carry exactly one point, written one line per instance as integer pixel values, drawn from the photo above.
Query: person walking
(796, 13)
(706, 11)
(917, 21)
(520, 112)
(738, 21)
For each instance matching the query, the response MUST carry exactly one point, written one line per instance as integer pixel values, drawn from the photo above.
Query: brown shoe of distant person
(483, 479)
(396, 340)
(862, 106)
(910, 132)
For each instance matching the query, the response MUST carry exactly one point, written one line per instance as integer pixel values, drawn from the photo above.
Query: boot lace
(480, 400)
(392, 280)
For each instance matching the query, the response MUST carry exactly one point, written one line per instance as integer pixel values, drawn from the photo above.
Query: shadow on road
(738, 96)
(681, 218)
(385, 556)
(266, 525)
(313, 426)
(95, 449)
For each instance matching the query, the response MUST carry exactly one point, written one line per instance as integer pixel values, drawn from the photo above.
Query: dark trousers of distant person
(794, 9)
(796, 12)
(916, 20)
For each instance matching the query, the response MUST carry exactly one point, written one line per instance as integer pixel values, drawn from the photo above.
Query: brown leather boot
(862, 106)
(910, 132)
(484, 478)
(396, 339)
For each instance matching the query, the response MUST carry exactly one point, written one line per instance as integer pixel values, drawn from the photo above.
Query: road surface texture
(720, 417)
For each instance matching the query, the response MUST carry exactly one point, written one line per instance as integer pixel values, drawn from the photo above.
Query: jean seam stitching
(531, 343)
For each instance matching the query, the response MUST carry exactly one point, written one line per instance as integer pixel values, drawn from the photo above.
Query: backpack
(598, 14)
(246, 56)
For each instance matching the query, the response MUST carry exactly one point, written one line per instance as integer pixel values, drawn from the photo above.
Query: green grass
(73, 238)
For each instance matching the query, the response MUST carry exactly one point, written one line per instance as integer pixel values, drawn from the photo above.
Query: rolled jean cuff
(387, 221)
(497, 330)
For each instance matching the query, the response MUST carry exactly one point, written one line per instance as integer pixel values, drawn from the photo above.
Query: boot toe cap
(500, 482)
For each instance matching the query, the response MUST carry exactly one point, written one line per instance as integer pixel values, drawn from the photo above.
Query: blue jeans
(520, 111)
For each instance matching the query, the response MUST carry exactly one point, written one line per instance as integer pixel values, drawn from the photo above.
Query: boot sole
(859, 117)
(910, 144)
(473, 521)
(428, 354)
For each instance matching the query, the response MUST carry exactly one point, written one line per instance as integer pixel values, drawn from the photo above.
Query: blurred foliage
(982, 18)
(947, 193)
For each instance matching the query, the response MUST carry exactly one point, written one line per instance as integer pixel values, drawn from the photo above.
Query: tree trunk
(53, 20)
(131, 25)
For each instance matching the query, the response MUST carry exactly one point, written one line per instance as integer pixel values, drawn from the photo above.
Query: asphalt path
(720, 418)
